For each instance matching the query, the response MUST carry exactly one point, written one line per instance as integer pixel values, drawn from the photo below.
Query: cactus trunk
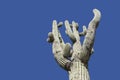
(78, 71)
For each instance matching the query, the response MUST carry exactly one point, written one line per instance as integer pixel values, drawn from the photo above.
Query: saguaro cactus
(74, 58)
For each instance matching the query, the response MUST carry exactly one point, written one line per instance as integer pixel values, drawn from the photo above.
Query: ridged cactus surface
(74, 57)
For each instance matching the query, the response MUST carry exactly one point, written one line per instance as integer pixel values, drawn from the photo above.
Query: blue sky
(24, 24)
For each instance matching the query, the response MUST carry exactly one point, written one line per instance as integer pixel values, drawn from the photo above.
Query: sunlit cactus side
(74, 57)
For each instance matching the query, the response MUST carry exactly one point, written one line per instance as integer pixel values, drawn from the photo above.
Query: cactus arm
(84, 31)
(60, 24)
(57, 49)
(90, 35)
(77, 48)
(69, 32)
(66, 50)
(75, 31)
(50, 38)
(66, 47)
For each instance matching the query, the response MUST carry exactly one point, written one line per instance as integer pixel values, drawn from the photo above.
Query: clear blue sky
(24, 24)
